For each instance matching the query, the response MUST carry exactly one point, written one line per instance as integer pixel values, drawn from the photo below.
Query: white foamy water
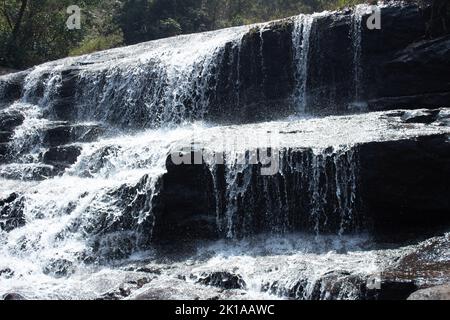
(61, 213)
(86, 231)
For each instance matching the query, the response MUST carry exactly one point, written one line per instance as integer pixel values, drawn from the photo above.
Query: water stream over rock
(93, 206)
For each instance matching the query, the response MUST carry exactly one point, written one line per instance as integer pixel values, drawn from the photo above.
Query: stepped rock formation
(316, 161)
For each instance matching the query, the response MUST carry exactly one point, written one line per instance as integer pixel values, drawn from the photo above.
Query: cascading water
(356, 36)
(166, 81)
(81, 197)
(301, 38)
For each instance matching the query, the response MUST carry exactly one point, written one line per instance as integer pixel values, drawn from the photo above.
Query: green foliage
(34, 31)
(89, 45)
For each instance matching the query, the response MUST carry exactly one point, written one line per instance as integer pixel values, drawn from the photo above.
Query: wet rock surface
(435, 293)
(13, 297)
(66, 133)
(427, 265)
(59, 268)
(11, 213)
(62, 157)
(415, 171)
(223, 280)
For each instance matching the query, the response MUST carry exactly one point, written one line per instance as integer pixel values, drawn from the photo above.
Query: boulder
(184, 207)
(421, 116)
(13, 297)
(221, 279)
(59, 268)
(426, 265)
(4, 149)
(434, 293)
(62, 157)
(6, 273)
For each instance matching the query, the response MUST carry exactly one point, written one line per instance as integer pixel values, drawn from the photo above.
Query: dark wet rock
(62, 157)
(65, 133)
(434, 293)
(421, 116)
(334, 285)
(185, 204)
(28, 172)
(62, 106)
(6, 273)
(11, 212)
(426, 266)
(221, 279)
(13, 297)
(59, 268)
(5, 136)
(404, 185)
(193, 201)
(426, 100)
(156, 271)
(395, 290)
(422, 60)
(11, 86)
(4, 149)
(401, 190)
(398, 69)
(125, 228)
(338, 286)
(141, 282)
(125, 290)
(256, 79)
(9, 120)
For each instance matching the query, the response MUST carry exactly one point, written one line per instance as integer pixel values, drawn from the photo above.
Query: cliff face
(349, 67)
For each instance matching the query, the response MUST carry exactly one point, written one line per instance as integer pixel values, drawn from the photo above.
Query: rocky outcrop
(427, 265)
(64, 133)
(223, 280)
(61, 158)
(256, 78)
(13, 297)
(435, 293)
(185, 204)
(9, 120)
(59, 268)
(403, 185)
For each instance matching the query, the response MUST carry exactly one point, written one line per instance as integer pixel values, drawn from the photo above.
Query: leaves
(32, 32)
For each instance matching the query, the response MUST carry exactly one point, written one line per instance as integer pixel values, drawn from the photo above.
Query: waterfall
(313, 191)
(356, 37)
(301, 38)
(164, 82)
(86, 186)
